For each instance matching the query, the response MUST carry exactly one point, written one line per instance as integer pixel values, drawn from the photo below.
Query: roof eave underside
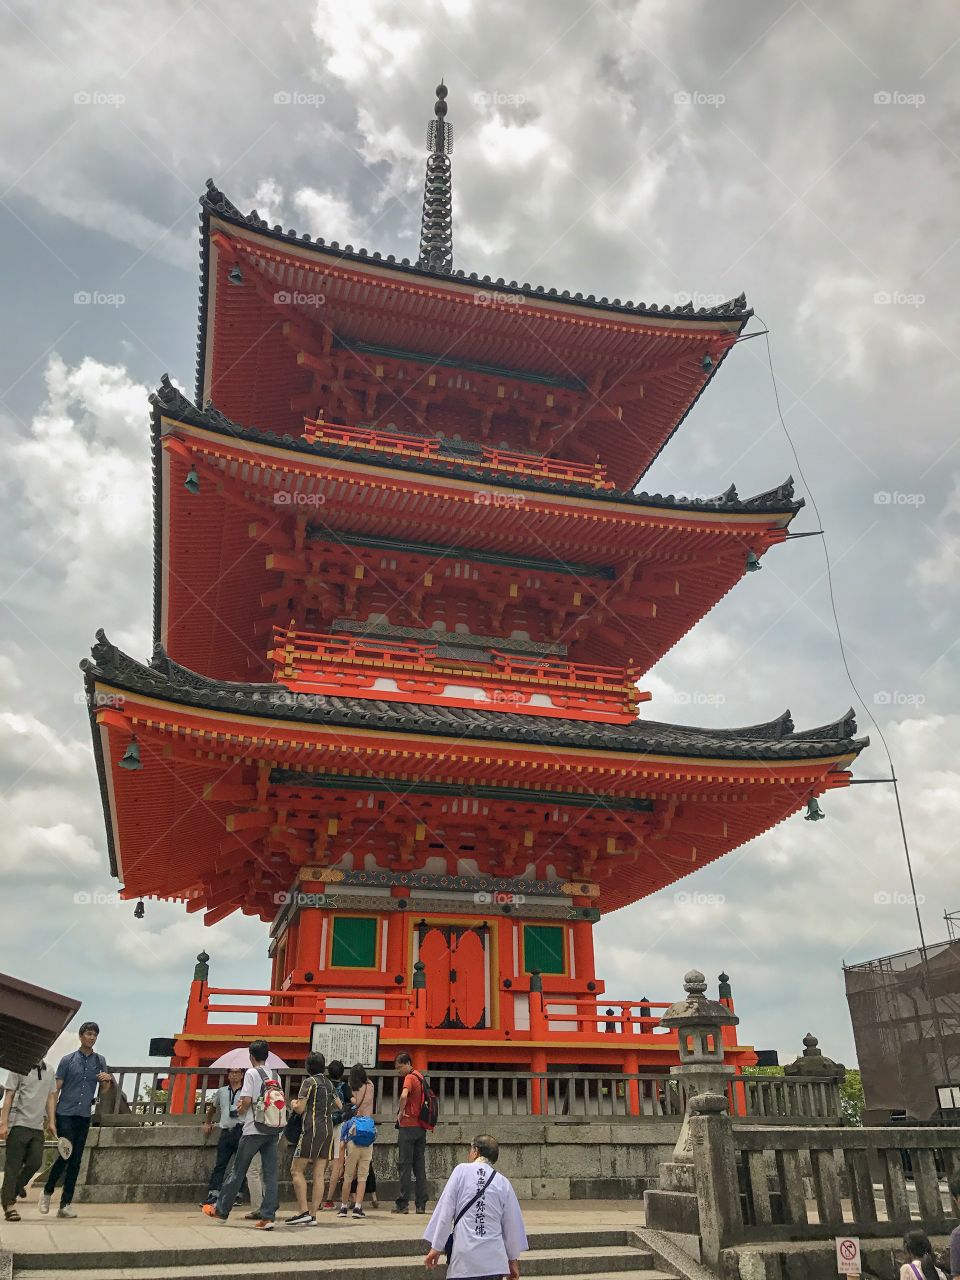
(732, 316)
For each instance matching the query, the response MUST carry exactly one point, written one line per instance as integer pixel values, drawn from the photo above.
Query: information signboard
(347, 1041)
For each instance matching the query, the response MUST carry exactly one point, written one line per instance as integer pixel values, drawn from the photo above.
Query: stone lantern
(813, 1062)
(698, 1023)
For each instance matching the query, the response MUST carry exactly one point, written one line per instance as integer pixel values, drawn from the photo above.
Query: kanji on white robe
(489, 1234)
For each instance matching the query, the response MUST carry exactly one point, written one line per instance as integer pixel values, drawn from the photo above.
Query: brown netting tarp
(895, 1032)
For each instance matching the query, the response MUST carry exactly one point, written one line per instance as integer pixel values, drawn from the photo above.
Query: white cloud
(324, 210)
(598, 180)
(939, 570)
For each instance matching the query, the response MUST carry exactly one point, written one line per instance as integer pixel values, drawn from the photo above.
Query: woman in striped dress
(315, 1102)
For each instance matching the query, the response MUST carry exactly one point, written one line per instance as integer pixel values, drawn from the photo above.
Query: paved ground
(103, 1228)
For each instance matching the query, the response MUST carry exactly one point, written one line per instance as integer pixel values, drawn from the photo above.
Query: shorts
(357, 1163)
(337, 1144)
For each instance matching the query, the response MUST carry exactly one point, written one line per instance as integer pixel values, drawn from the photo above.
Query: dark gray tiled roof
(168, 400)
(166, 679)
(213, 201)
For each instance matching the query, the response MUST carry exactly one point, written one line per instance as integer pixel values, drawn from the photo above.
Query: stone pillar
(714, 1175)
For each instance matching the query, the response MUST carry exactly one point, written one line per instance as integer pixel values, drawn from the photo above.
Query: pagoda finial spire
(436, 228)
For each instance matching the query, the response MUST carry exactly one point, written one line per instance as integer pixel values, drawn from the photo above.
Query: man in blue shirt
(78, 1075)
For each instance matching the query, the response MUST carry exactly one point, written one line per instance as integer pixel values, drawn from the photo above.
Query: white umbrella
(240, 1059)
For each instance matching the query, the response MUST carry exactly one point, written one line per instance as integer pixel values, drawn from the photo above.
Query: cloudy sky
(804, 152)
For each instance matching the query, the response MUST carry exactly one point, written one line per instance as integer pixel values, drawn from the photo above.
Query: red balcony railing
(496, 461)
(353, 665)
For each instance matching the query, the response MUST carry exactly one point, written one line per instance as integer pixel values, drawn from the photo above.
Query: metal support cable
(931, 995)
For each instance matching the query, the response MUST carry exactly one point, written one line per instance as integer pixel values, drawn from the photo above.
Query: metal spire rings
(436, 229)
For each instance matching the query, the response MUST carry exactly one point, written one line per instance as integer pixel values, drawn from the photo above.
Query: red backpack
(429, 1104)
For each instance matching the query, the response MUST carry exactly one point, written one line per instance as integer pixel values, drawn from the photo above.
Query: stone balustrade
(757, 1184)
(561, 1095)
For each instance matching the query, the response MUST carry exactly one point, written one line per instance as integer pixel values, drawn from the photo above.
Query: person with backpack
(343, 1110)
(922, 1265)
(263, 1110)
(477, 1222)
(315, 1103)
(416, 1115)
(360, 1133)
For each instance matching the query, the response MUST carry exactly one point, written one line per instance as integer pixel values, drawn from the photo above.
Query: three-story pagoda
(405, 591)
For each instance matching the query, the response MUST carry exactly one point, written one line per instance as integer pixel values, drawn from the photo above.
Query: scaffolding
(906, 1026)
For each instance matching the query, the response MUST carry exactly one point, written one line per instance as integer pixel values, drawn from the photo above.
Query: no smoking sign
(848, 1256)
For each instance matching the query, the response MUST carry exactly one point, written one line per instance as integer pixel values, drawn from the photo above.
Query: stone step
(672, 1211)
(584, 1261)
(233, 1244)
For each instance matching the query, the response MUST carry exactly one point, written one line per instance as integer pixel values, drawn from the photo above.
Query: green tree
(851, 1098)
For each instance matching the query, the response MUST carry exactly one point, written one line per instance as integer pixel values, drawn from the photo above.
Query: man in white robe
(490, 1237)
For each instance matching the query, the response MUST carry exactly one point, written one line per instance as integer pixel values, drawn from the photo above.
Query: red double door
(455, 960)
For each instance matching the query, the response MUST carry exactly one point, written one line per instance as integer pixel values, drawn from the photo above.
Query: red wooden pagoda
(404, 593)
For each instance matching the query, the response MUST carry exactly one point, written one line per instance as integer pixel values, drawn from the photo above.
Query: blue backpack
(360, 1130)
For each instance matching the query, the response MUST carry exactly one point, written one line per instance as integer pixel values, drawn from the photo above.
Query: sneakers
(210, 1210)
(66, 1211)
(299, 1220)
(421, 1208)
(342, 1211)
(265, 1224)
(44, 1202)
(400, 1208)
(252, 1216)
(358, 1211)
(327, 1204)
